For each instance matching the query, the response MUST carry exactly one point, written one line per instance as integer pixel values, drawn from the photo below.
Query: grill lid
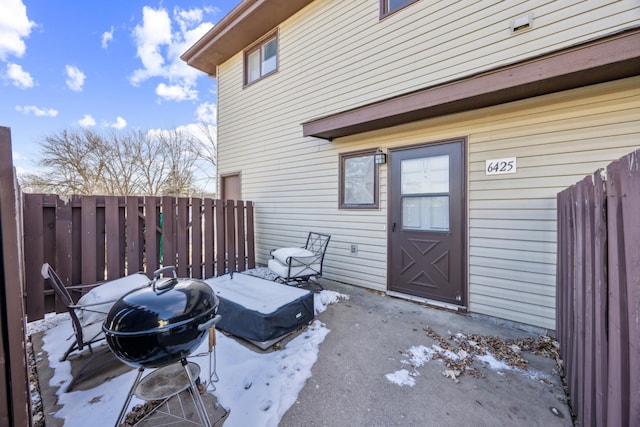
(168, 303)
(161, 323)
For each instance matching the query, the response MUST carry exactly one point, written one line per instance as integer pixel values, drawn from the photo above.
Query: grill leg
(123, 411)
(197, 400)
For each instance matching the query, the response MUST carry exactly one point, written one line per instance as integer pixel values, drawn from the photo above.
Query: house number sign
(500, 166)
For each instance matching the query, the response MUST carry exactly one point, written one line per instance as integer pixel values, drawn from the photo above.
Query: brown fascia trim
(246, 23)
(611, 58)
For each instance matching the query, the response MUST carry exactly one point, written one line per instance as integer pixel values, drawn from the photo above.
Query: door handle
(393, 227)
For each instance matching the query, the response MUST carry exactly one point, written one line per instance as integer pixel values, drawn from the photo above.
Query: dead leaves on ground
(459, 351)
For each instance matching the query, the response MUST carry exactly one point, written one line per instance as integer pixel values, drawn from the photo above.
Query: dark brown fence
(598, 294)
(89, 239)
(15, 403)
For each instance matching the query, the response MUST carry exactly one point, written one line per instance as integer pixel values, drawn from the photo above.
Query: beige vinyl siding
(557, 139)
(429, 43)
(337, 55)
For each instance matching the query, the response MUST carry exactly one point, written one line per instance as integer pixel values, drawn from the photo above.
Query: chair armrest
(303, 260)
(83, 286)
(283, 255)
(287, 248)
(92, 304)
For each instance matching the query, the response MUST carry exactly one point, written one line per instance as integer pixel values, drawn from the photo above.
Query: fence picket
(600, 301)
(64, 243)
(182, 236)
(618, 335)
(168, 251)
(151, 234)
(209, 235)
(196, 238)
(134, 235)
(251, 248)
(34, 256)
(220, 235)
(630, 189)
(112, 226)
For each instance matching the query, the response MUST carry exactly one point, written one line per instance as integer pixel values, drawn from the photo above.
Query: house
(428, 138)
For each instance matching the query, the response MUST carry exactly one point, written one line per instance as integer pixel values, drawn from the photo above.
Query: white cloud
(206, 112)
(107, 36)
(150, 37)
(176, 92)
(120, 123)
(14, 27)
(75, 78)
(37, 111)
(18, 77)
(87, 121)
(160, 40)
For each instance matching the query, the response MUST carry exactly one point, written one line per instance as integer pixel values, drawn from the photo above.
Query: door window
(425, 193)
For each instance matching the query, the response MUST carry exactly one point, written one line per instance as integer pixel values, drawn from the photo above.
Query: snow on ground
(416, 356)
(256, 388)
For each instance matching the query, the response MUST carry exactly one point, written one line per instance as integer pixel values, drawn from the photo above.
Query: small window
(387, 7)
(261, 59)
(358, 180)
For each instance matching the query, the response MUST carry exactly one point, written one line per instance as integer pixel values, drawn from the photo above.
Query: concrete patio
(370, 339)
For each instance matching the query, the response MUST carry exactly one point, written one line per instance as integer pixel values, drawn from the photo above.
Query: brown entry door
(427, 222)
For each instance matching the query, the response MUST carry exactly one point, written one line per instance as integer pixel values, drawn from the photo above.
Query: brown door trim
(463, 228)
(225, 180)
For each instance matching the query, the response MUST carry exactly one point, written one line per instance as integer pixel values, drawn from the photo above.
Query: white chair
(294, 265)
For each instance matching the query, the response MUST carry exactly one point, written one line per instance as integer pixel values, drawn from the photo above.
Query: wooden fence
(89, 239)
(15, 402)
(598, 294)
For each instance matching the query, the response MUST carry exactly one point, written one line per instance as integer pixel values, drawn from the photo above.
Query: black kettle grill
(161, 324)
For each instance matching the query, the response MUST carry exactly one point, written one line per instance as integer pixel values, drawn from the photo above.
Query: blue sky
(69, 64)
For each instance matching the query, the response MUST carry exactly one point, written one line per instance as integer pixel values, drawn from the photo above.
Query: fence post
(15, 404)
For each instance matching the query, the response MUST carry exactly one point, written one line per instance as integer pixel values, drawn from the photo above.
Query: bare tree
(181, 153)
(74, 162)
(209, 148)
(124, 163)
(153, 165)
(122, 152)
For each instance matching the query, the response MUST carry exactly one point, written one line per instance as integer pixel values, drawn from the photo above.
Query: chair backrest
(50, 275)
(317, 243)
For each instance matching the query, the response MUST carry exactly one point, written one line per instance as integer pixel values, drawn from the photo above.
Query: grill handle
(162, 271)
(209, 323)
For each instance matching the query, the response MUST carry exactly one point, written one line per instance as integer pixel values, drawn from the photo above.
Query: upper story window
(261, 59)
(387, 7)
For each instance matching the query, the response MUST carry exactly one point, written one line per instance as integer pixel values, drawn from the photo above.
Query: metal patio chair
(88, 314)
(297, 266)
